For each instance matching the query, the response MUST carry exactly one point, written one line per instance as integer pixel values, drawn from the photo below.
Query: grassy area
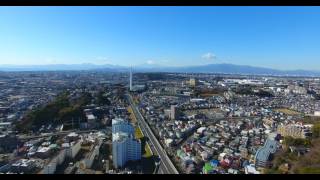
(309, 170)
(205, 111)
(148, 152)
(311, 119)
(287, 111)
(135, 101)
(138, 133)
(132, 116)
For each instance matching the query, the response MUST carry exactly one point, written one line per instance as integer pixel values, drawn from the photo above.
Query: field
(204, 111)
(287, 111)
(132, 116)
(138, 133)
(148, 152)
(311, 119)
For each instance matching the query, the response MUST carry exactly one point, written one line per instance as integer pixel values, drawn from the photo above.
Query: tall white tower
(130, 78)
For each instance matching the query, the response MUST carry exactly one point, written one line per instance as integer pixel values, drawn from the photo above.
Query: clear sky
(276, 37)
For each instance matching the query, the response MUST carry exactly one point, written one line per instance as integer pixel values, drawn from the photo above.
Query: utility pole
(130, 79)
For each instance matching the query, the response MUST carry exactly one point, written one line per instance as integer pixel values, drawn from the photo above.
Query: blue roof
(263, 153)
(214, 162)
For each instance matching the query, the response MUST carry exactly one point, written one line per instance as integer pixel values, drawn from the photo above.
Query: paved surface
(26, 137)
(166, 166)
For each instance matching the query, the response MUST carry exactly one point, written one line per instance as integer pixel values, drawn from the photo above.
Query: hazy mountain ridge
(59, 67)
(234, 69)
(210, 68)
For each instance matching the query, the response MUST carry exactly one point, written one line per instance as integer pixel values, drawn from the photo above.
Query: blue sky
(276, 37)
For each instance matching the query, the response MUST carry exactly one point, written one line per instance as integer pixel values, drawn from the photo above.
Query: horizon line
(155, 66)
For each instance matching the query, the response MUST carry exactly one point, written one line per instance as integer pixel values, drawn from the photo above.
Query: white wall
(60, 158)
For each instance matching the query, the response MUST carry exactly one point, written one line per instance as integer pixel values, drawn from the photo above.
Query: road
(166, 166)
(26, 137)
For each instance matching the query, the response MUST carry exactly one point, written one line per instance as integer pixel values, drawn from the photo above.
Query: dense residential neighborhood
(96, 122)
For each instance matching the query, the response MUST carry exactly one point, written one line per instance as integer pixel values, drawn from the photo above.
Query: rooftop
(264, 152)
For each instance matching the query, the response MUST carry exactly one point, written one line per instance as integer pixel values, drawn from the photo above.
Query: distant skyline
(284, 38)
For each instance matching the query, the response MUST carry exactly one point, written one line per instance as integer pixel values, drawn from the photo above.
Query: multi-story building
(297, 89)
(317, 110)
(124, 146)
(173, 112)
(192, 82)
(121, 125)
(293, 130)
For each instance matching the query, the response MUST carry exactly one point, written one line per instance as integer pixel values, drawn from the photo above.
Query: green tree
(60, 110)
(290, 141)
(102, 99)
(316, 130)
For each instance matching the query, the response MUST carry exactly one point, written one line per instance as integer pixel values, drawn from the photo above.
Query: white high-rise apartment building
(124, 146)
(121, 125)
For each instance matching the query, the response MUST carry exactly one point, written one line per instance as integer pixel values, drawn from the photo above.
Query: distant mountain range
(210, 68)
(61, 67)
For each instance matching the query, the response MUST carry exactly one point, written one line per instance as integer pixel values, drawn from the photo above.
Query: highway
(166, 166)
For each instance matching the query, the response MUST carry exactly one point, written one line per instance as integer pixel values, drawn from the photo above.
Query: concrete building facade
(124, 146)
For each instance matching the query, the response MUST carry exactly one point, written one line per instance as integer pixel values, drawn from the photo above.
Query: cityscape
(160, 123)
(198, 113)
